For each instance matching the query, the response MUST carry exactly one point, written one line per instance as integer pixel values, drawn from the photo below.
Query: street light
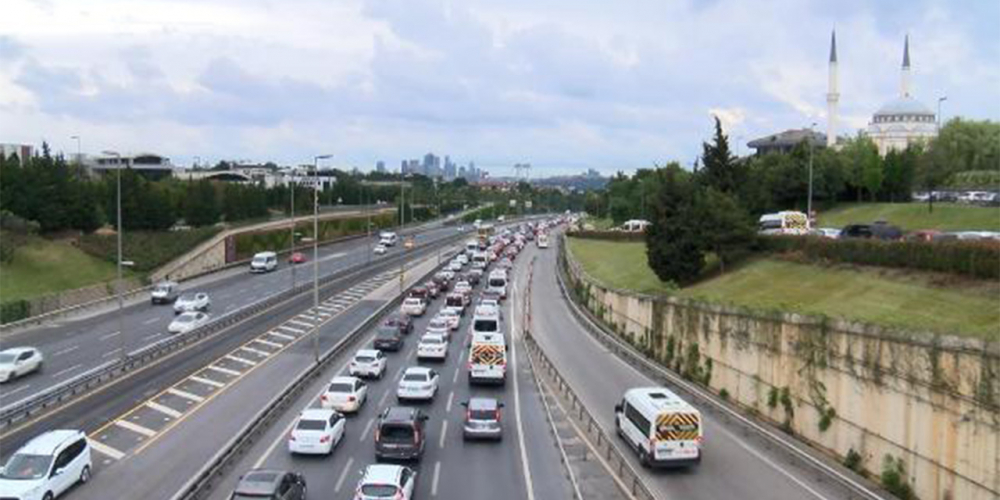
(809, 201)
(316, 248)
(119, 231)
(79, 154)
(940, 100)
(292, 184)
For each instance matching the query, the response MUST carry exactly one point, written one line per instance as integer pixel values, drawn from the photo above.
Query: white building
(904, 120)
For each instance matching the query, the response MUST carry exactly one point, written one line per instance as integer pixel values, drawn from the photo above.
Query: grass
(147, 249)
(617, 264)
(42, 266)
(914, 216)
(600, 224)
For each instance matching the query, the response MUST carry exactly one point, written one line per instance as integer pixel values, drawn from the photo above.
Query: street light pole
(79, 153)
(292, 185)
(940, 100)
(809, 201)
(316, 249)
(119, 231)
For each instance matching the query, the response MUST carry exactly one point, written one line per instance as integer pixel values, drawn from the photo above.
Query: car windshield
(415, 377)
(379, 490)
(438, 323)
(259, 260)
(364, 359)
(24, 466)
(6, 359)
(162, 288)
(387, 331)
(432, 340)
(311, 425)
(497, 282)
(187, 297)
(341, 387)
(185, 318)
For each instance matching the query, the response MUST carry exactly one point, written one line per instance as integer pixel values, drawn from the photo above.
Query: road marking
(150, 321)
(104, 449)
(517, 398)
(64, 351)
(368, 427)
(279, 335)
(258, 351)
(294, 330)
(207, 381)
(324, 308)
(385, 396)
(434, 482)
(151, 337)
(185, 395)
(110, 335)
(241, 360)
(227, 371)
(67, 370)
(301, 323)
(447, 407)
(343, 475)
(458, 369)
(444, 432)
(111, 353)
(7, 393)
(308, 317)
(134, 427)
(163, 409)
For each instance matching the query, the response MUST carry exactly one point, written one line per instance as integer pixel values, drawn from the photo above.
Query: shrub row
(978, 259)
(608, 235)
(248, 244)
(14, 310)
(147, 249)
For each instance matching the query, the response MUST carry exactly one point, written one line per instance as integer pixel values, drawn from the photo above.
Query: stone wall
(928, 400)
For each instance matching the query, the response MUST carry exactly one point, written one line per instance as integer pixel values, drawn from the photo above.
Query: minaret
(904, 82)
(833, 96)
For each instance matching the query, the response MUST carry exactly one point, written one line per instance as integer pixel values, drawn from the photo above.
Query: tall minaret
(833, 96)
(904, 82)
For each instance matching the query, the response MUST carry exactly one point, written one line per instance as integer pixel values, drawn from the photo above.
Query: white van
(663, 428)
(388, 238)
(264, 262)
(542, 241)
(47, 466)
(788, 222)
(497, 282)
(471, 247)
(488, 349)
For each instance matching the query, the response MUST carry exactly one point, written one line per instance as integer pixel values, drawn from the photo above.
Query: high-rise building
(380, 166)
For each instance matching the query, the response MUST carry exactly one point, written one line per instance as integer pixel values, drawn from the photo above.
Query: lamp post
(119, 230)
(809, 201)
(79, 153)
(316, 247)
(940, 100)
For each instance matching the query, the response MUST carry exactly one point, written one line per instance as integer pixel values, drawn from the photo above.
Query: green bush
(976, 179)
(14, 310)
(608, 235)
(853, 460)
(147, 249)
(894, 478)
(978, 259)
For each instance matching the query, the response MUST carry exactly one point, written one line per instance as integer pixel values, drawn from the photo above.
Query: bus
(660, 426)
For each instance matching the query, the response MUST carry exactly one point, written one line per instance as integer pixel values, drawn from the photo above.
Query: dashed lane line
(166, 410)
(110, 335)
(434, 481)
(343, 475)
(65, 371)
(65, 351)
(186, 395)
(368, 427)
(150, 321)
(444, 432)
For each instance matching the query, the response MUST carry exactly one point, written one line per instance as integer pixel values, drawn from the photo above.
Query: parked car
(317, 431)
(345, 394)
(164, 292)
(297, 258)
(417, 383)
(47, 466)
(190, 302)
(18, 362)
(269, 484)
(482, 419)
(825, 232)
(399, 434)
(382, 481)
(388, 338)
(187, 321)
(368, 363)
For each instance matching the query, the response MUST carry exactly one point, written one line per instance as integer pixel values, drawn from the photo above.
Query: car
(317, 431)
(345, 394)
(463, 287)
(457, 301)
(448, 274)
(270, 484)
(463, 258)
(454, 266)
(490, 301)
(482, 419)
(439, 326)
(417, 383)
(190, 302)
(187, 321)
(297, 258)
(47, 466)
(450, 314)
(442, 281)
(472, 276)
(264, 262)
(18, 362)
(489, 296)
(432, 289)
(165, 292)
(401, 321)
(383, 481)
(388, 338)
(380, 249)
(432, 346)
(505, 263)
(399, 434)
(368, 363)
(825, 232)
(420, 292)
(413, 306)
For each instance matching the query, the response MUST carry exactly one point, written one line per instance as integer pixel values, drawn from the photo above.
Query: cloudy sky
(565, 85)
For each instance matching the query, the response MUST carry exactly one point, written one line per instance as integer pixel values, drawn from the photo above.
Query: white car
(490, 302)
(317, 431)
(368, 363)
(463, 258)
(345, 394)
(452, 316)
(432, 346)
(18, 362)
(189, 302)
(417, 383)
(414, 306)
(439, 326)
(187, 322)
(380, 249)
(47, 466)
(383, 482)
(463, 287)
(455, 266)
(448, 274)
(164, 292)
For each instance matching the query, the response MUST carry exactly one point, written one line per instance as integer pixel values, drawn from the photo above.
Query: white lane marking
(7, 393)
(279, 335)
(343, 475)
(104, 449)
(134, 427)
(458, 369)
(301, 323)
(385, 396)
(111, 353)
(110, 335)
(308, 317)
(163, 409)
(258, 351)
(293, 330)
(444, 432)
(324, 308)
(517, 399)
(67, 370)
(186, 395)
(151, 337)
(206, 381)
(242, 291)
(241, 360)
(434, 481)
(66, 350)
(368, 427)
(150, 321)
(224, 370)
(447, 407)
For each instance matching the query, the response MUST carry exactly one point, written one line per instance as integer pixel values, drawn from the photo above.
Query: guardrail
(202, 483)
(105, 373)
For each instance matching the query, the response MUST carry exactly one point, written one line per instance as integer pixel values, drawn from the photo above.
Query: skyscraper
(380, 166)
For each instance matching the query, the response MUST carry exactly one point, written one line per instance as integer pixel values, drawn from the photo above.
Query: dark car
(471, 277)
(442, 282)
(432, 289)
(420, 292)
(399, 434)
(482, 419)
(388, 338)
(403, 322)
(264, 484)
(879, 230)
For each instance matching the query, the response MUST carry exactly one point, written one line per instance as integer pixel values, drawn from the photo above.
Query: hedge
(248, 244)
(14, 310)
(978, 259)
(608, 235)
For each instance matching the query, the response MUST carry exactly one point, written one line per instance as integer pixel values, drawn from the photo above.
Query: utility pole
(292, 185)
(119, 231)
(316, 249)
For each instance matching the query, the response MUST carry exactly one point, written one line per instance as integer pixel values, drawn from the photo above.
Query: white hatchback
(368, 363)
(414, 306)
(383, 482)
(317, 431)
(19, 361)
(432, 347)
(345, 394)
(47, 466)
(417, 383)
(187, 322)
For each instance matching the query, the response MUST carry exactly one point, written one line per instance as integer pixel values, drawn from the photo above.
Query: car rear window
(379, 490)
(415, 377)
(391, 432)
(311, 425)
(485, 325)
(364, 359)
(341, 387)
(482, 415)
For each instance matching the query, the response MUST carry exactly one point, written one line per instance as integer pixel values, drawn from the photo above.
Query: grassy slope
(913, 216)
(44, 266)
(901, 300)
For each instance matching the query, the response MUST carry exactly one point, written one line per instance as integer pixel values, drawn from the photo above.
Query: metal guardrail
(102, 374)
(202, 483)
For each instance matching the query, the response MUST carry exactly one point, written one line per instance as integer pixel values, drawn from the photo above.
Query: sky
(565, 85)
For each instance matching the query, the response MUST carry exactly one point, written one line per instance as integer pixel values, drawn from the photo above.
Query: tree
(674, 248)
(720, 168)
(727, 228)
(865, 172)
(200, 207)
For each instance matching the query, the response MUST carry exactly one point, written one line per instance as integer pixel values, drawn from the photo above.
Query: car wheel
(48, 496)
(644, 458)
(85, 474)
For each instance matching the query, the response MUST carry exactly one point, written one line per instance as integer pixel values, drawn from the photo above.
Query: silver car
(187, 322)
(190, 302)
(482, 419)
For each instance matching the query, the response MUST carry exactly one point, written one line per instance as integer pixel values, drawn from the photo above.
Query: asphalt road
(73, 346)
(735, 464)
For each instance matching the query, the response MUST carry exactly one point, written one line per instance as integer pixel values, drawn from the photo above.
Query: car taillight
(323, 398)
(291, 437)
(324, 439)
(416, 436)
(497, 415)
(468, 414)
(470, 365)
(350, 399)
(378, 434)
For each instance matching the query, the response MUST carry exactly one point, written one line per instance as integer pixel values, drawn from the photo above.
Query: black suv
(388, 338)
(270, 485)
(399, 434)
(403, 322)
